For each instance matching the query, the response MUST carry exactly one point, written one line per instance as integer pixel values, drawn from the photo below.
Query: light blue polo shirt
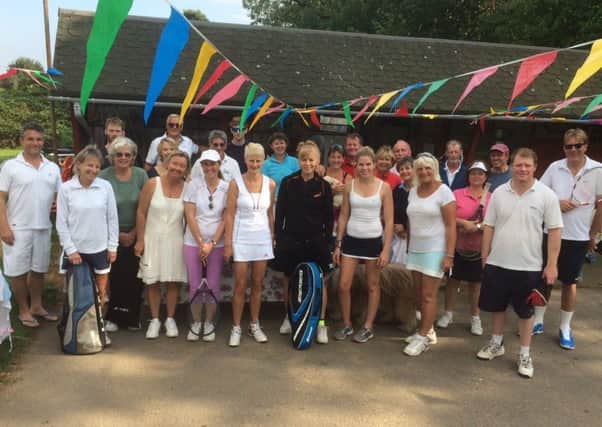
(279, 170)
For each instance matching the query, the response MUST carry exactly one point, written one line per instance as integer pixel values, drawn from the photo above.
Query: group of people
(495, 227)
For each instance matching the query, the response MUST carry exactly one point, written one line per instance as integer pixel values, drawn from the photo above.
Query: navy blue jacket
(460, 180)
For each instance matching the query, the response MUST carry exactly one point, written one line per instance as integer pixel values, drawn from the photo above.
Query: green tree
(195, 15)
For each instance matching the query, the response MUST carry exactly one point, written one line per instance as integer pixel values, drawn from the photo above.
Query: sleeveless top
(364, 218)
(251, 223)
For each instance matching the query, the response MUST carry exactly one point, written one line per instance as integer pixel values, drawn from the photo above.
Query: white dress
(251, 236)
(163, 256)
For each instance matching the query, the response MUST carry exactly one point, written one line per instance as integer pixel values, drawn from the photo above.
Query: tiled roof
(307, 67)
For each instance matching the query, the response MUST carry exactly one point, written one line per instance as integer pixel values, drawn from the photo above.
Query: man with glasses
(218, 141)
(236, 148)
(173, 129)
(577, 181)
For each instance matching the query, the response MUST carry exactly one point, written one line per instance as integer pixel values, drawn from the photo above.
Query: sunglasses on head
(173, 125)
(573, 146)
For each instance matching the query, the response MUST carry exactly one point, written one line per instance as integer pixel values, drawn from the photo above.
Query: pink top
(466, 207)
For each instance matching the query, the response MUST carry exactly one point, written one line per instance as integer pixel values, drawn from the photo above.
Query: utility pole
(48, 65)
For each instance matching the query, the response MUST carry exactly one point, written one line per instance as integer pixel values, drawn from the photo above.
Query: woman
(432, 215)
(204, 204)
(304, 221)
(229, 168)
(384, 163)
(164, 149)
(249, 231)
(160, 240)
(399, 245)
(467, 257)
(360, 237)
(337, 178)
(86, 219)
(125, 288)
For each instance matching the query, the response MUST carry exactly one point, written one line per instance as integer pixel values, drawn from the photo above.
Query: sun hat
(211, 156)
(478, 165)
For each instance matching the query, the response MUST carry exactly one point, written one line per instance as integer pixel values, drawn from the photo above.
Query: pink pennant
(477, 78)
(566, 103)
(226, 93)
(219, 70)
(599, 107)
(276, 108)
(530, 68)
(11, 72)
(371, 101)
(32, 77)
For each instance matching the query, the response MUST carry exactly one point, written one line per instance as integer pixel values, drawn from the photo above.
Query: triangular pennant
(370, 101)
(54, 72)
(402, 111)
(282, 118)
(477, 78)
(382, 101)
(315, 119)
(276, 108)
(205, 53)
(219, 70)
(262, 111)
(32, 76)
(245, 109)
(592, 64)
(347, 114)
(482, 124)
(302, 118)
(403, 94)
(595, 102)
(225, 93)
(11, 72)
(566, 103)
(255, 106)
(434, 87)
(529, 69)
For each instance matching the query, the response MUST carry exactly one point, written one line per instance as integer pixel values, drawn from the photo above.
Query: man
(218, 141)
(353, 143)
(499, 173)
(173, 129)
(401, 150)
(512, 253)
(114, 127)
(28, 186)
(453, 172)
(577, 181)
(236, 148)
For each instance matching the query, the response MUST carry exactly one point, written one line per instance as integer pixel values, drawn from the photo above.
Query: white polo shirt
(208, 218)
(186, 145)
(86, 218)
(229, 168)
(30, 192)
(584, 189)
(518, 225)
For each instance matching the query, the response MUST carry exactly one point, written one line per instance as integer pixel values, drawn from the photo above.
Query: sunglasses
(126, 155)
(237, 129)
(173, 125)
(210, 201)
(218, 144)
(573, 146)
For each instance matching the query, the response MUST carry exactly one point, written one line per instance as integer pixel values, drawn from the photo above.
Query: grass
(8, 153)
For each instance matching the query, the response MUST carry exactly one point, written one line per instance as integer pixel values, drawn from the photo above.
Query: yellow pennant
(382, 101)
(205, 53)
(302, 118)
(590, 67)
(262, 111)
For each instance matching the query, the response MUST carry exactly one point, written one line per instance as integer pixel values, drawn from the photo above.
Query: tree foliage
(195, 15)
(555, 23)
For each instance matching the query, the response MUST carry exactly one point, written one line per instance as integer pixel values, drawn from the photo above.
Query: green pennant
(595, 102)
(434, 87)
(347, 112)
(250, 96)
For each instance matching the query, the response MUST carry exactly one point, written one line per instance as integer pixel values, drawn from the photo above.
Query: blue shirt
(497, 179)
(279, 170)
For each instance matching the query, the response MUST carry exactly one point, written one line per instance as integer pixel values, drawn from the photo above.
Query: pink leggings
(215, 264)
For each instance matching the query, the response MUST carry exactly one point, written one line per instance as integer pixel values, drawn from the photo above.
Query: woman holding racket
(204, 205)
(249, 230)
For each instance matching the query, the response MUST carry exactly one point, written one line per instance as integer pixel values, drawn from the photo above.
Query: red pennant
(226, 93)
(219, 70)
(402, 111)
(315, 119)
(11, 72)
(482, 124)
(530, 68)
(371, 101)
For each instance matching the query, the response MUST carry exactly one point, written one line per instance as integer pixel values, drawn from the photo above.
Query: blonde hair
(166, 140)
(578, 134)
(179, 154)
(304, 148)
(366, 152)
(254, 149)
(87, 151)
(385, 152)
(427, 160)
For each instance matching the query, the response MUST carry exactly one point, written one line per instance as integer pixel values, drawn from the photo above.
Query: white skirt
(252, 252)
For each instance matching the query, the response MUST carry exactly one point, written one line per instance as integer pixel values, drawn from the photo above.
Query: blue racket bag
(305, 303)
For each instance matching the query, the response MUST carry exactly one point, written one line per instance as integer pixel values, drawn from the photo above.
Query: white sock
(524, 351)
(497, 339)
(476, 317)
(539, 312)
(565, 321)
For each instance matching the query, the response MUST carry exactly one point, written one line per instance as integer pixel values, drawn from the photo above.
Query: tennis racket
(204, 312)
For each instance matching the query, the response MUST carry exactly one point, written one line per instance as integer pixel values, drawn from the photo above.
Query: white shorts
(29, 252)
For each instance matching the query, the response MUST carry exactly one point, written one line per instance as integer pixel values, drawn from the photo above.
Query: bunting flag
(370, 101)
(302, 118)
(205, 53)
(529, 69)
(566, 103)
(403, 94)
(108, 19)
(171, 44)
(245, 109)
(402, 111)
(434, 87)
(382, 101)
(45, 78)
(592, 105)
(254, 107)
(54, 72)
(347, 114)
(592, 64)
(226, 93)
(11, 72)
(262, 111)
(219, 70)
(33, 76)
(476, 80)
(276, 108)
(280, 120)
(315, 119)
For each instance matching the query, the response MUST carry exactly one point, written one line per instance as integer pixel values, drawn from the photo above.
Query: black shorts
(362, 248)
(291, 250)
(98, 262)
(469, 270)
(570, 259)
(502, 287)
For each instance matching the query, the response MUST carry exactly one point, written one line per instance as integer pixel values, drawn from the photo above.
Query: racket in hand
(203, 312)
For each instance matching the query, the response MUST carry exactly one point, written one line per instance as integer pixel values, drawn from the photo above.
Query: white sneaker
(110, 326)
(256, 332)
(418, 346)
(235, 335)
(285, 327)
(322, 337)
(107, 340)
(445, 320)
(475, 326)
(418, 315)
(491, 351)
(525, 366)
(431, 335)
(153, 329)
(209, 337)
(171, 329)
(193, 333)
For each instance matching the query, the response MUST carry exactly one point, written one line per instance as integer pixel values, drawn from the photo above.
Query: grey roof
(307, 67)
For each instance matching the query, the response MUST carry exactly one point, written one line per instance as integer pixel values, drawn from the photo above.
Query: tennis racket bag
(305, 303)
(81, 329)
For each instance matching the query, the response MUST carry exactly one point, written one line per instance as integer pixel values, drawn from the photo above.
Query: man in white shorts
(28, 187)
(173, 129)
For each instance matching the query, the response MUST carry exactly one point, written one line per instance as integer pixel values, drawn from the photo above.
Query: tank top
(364, 219)
(251, 223)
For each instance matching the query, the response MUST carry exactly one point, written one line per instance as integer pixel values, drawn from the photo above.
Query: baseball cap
(211, 156)
(500, 147)
(478, 165)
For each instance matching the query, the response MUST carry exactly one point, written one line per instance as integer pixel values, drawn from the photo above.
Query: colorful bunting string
(592, 105)
(592, 64)
(476, 80)
(223, 66)
(205, 53)
(370, 101)
(261, 112)
(226, 93)
(529, 69)
(248, 100)
(382, 101)
(403, 94)
(434, 87)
